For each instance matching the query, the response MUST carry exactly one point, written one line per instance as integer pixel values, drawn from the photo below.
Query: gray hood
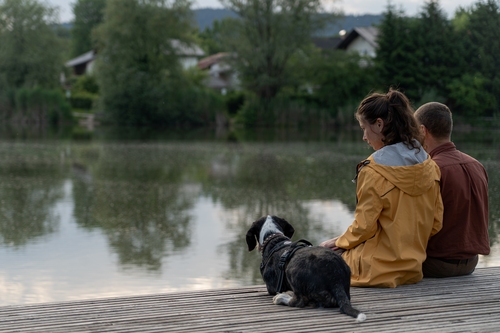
(399, 154)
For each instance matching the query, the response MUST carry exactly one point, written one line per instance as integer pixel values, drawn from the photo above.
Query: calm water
(127, 213)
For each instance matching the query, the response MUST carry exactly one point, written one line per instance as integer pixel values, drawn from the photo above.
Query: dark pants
(440, 268)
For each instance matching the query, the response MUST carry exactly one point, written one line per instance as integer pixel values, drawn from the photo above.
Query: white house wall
(188, 62)
(362, 47)
(90, 67)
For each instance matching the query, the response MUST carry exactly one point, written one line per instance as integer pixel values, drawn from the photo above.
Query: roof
(82, 59)
(213, 59)
(182, 49)
(367, 33)
(326, 43)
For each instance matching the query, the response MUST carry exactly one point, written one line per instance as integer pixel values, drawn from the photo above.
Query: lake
(124, 212)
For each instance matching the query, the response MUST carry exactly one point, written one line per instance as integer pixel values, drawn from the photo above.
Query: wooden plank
(465, 304)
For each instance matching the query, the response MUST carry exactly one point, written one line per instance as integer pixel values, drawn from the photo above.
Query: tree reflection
(30, 184)
(141, 195)
(492, 168)
(136, 196)
(253, 181)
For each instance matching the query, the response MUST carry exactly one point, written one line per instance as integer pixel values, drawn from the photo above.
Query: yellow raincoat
(399, 208)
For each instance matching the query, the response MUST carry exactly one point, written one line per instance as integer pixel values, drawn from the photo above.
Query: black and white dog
(300, 274)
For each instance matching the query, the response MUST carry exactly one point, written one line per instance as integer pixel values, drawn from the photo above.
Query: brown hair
(395, 110)
(437, 118)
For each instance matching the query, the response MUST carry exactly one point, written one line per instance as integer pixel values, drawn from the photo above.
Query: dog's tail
(346, 307)
(349, 310)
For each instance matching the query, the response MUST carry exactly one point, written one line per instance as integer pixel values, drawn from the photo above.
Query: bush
(36, 106)
(84, 93)
(86, 83)
(83, 100)
(166, 104)
(283, 111)
(203, 105)
(470, 96)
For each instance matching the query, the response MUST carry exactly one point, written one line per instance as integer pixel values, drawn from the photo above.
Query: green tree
(30, 52)
(212, 38)
(342, 79)
(396, 60)
(265, 37)
(470, 95)
(139, 74)
(88, 14)
(480, 27)
(438, 61)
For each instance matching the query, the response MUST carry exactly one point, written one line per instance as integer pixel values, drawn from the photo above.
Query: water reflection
(30, 184)
(135, 194)
(253, 180)
(155, 215)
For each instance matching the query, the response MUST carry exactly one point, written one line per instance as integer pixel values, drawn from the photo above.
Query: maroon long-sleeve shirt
(464, 189)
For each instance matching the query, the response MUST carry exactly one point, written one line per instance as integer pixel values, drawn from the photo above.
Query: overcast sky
(411, 7)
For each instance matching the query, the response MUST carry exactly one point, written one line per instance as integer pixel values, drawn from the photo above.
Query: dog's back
(320, 276)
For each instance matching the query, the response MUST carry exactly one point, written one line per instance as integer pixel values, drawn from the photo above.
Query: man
(464, 188)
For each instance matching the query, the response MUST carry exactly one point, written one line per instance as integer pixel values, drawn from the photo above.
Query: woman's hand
(330, 244)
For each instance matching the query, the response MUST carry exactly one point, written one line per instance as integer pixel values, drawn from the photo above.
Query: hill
(206, 16)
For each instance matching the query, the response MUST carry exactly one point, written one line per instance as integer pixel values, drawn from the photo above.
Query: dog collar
(267, 240)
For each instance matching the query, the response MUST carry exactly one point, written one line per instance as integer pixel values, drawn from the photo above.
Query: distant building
(221, 75)
(188, 54)
(82, 64)
(362, 40)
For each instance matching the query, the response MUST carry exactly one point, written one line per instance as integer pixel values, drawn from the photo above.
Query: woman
(399, 205)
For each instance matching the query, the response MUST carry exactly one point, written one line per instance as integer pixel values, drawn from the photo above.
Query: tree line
(283, 79)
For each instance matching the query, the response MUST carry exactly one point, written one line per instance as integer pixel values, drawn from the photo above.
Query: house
(221, 75)
(82, 64)
(188, 54)
(362, 40)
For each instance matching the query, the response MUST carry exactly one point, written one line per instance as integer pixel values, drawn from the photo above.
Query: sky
(411, 7)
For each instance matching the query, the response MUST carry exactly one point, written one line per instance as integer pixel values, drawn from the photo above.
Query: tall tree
(483, 30)
(396, 60)
(266, 35)
(30, 51)
(476, 91)
(435, 43)
(341, 78)
(212, 38)
(138, 70)
(88, 14)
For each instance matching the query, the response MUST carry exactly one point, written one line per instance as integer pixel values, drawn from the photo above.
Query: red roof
(209, 61)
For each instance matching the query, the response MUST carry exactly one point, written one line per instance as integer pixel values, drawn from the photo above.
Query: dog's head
(266, 226)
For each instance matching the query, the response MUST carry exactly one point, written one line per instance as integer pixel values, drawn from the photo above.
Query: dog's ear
(254, 232)
(288, 230)
(251, 236)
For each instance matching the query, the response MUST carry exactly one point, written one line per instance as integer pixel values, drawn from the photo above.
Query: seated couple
(417, 215)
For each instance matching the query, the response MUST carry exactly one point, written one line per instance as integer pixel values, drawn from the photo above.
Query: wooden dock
(465, 304)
